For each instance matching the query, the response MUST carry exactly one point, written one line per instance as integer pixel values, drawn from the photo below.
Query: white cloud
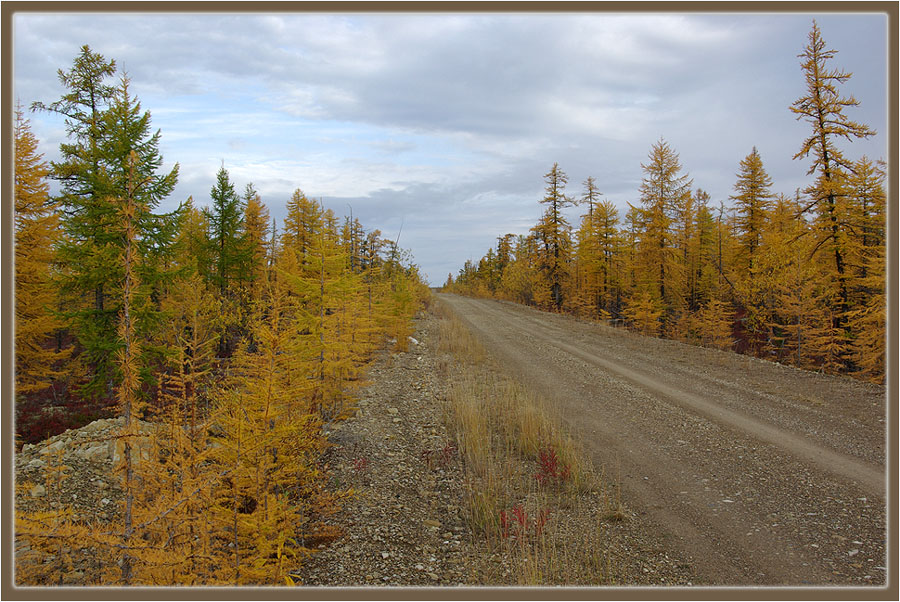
(418, 116)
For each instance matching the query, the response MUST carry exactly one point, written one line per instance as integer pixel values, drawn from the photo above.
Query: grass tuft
(532, 496)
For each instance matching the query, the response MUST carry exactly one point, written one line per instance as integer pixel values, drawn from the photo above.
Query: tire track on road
(684, 483)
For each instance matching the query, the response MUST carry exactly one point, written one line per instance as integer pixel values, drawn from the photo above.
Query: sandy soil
(759, 474)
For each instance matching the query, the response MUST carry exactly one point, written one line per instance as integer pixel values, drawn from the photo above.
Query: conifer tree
(353, 239)
(609, 252)
(587, 258)
(664, 193)
(37, 232)
(693, 252)
(256, 225)
(800, 296)
(520, 277)
(105, 125)
(714, 323)
(753, 201)
(192, 246)
(269, 445)
(504, 252)
(130, 155)
(303, 220)
(707, 278)
(866, 218)
(129, 355)
(182, 474)
(553, 233)
(229, 258)
(866, 320)
(683, 236)
(226, 235)
(631, 234)
(88, 213)
(822, 107)
(131, 161)
(643, 312)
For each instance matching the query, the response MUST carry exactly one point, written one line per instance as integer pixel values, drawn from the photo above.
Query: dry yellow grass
(532, 494)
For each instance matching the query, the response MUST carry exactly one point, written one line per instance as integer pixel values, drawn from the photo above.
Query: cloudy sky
(446, 123)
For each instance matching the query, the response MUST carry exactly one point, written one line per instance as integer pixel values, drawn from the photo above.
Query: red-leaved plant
(516, 522)
(361, 464)
(551, 470)
(440, 458)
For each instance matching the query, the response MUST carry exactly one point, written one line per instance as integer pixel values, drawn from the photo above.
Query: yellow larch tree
(269, 443)
(256, 232)
(866, 320)
(554, 238)
(643, 313)
(753, 203)
(800, 296)
(191, 243)
(822, 107)
(664, 194)
(37, 230)
(304, 219)
(715, 322)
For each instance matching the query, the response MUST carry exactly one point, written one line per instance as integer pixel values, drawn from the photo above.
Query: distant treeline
(797, 279)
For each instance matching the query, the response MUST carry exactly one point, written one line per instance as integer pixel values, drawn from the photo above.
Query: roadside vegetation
(532, 496)
(224, 348)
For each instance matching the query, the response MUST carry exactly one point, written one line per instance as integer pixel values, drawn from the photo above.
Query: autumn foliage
(798, 279)
(225, 349)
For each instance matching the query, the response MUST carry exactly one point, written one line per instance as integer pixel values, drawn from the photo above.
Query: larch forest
(795, 278)
(225, 345)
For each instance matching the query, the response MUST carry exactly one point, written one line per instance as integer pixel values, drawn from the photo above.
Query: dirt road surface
(761, 474)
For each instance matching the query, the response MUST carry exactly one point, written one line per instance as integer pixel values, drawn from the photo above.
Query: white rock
(54, 447)
(38, 491)
(94, 453)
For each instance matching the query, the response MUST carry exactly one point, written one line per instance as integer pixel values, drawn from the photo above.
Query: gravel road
(761, 474)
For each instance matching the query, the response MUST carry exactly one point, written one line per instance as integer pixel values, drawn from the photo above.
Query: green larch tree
(88, 214)
(229, 257)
